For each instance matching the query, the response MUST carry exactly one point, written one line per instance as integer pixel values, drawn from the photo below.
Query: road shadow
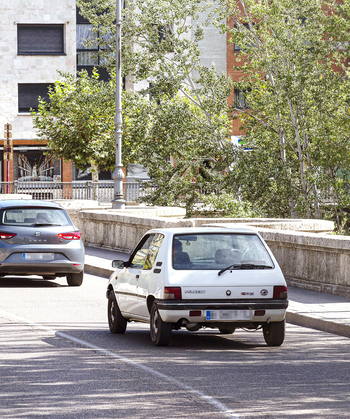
(201, 340)
(27, 282)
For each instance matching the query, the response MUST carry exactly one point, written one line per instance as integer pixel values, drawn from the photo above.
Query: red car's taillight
(172, 293)
(6, 236)
(280, 292)
(75, 235)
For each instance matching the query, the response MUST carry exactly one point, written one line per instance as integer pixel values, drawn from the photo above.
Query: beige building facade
(37, 38)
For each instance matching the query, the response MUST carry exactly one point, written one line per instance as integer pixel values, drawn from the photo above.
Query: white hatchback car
(220, 278)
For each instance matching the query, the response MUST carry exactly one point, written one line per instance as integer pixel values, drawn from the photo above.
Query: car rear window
(34, 216)
(218, 251)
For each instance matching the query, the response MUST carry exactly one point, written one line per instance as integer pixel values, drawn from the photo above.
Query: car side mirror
(118, 264)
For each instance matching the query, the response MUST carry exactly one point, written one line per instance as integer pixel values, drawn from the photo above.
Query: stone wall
(311, 261)
(121, 229)
(311, 257)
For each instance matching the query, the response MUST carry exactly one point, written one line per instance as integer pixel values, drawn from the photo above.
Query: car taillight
(172, 293)
(75, 235)
(6, 236)
(280, 292)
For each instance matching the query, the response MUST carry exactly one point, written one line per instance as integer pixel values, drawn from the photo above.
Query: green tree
(160, 46)
(176, 144)
(293, 56)
(159, 39)
(169, 136)
(78, 121)
(179, 135)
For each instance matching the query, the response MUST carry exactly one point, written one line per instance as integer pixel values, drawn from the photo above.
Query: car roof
(198, 230)
(16, 203)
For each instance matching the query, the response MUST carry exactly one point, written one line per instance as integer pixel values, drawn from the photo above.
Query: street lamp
(118, 201)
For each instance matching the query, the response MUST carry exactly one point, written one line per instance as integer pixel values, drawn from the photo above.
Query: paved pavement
(316, 310)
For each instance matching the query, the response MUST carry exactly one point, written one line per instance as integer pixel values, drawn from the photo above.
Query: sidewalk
(316, 310)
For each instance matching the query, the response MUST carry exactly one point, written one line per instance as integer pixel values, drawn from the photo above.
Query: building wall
(213, 47)
(15, 69)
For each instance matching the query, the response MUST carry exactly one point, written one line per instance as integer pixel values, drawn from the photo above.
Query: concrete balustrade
(310, 256)
(311, 261)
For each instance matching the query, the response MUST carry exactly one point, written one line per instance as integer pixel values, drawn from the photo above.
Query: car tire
(117, 323)
(274, 333)
(226, 331)
(75, 280)
(160, 331)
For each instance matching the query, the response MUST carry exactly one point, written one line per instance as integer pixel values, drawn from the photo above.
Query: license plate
(38, 256)
(229, 315)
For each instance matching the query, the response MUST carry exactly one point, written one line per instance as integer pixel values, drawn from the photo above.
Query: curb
(98, 270)
(318, 324)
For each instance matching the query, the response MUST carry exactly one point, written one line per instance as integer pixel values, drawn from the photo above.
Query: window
(30, 216)
(40, 40)
(237, 47)
(153, 251)
(33, 165)
(240, 99)
(162, 36)
(89, 53)
(28, 96)
(139, 257)
(208, 251)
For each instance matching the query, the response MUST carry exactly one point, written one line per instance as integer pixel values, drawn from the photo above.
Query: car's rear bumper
(260, 311)
(40, 268)
(258, 304)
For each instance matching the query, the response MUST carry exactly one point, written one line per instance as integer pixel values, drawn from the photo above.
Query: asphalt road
(59, 360)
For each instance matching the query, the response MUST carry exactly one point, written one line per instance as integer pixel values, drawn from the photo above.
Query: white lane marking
(210, 400)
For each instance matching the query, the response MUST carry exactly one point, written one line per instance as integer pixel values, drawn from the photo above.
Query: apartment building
(37, 39)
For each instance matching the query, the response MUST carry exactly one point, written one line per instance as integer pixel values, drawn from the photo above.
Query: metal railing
(101, 191)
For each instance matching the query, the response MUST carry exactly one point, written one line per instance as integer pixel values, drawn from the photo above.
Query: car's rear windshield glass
(219, 251)
(34, 217)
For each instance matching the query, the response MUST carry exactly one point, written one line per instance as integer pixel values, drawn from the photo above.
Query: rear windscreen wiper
(244, 266)
(254, 266)
(235, 265)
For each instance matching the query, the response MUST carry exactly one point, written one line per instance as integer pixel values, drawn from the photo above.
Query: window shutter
(28, 95)
(40, 39)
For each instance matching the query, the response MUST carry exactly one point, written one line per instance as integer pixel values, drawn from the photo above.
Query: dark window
(85, 174)
(89, 52)
(28, 95)
(240, 99)
(237, 47)
(80, 18)
(40, 39)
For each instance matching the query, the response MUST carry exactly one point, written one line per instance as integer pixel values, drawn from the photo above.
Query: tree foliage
(179, 134)
(78, 121)
(176, 144)
(293, 61)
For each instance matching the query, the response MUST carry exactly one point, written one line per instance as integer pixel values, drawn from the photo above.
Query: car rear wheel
(274, 333)
(75, 280)
(160, 331)
(117, 323)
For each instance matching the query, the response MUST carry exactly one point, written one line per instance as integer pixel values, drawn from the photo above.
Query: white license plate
(38, 256)
(229, 315)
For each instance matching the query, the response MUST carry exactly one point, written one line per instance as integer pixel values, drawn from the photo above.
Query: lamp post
(8, 152)
(118, 201)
